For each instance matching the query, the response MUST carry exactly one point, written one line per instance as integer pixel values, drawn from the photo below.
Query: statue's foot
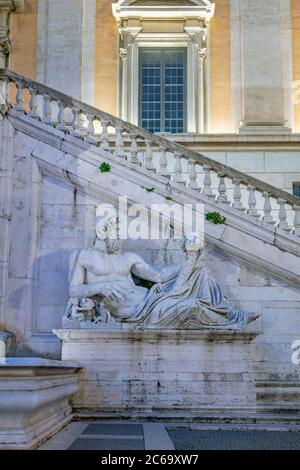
(251, 317)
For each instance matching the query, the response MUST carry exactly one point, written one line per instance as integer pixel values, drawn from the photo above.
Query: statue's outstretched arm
(145, 271)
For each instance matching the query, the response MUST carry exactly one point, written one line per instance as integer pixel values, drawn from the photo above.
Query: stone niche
(161, 373)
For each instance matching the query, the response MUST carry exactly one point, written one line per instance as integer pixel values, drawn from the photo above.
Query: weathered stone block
(161, 370)
(34, 400)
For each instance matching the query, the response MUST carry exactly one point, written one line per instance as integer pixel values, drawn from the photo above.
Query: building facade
(235, 92)
(220, 78)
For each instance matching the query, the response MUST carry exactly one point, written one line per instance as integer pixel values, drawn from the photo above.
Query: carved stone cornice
(124, 9)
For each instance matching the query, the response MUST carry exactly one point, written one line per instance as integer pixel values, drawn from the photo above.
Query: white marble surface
(161, 371)
(36, 362)
(261, 266)
(34, 400)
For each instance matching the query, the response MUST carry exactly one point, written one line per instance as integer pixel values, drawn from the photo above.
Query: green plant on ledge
(215, 218)
(104, 167)
(149, 190)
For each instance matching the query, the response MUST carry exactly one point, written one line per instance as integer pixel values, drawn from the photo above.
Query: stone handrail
(127, 141)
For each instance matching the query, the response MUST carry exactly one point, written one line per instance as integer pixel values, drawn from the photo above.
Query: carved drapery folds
(183, 23)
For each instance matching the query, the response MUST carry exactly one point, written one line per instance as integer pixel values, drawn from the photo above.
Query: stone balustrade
(156, 154)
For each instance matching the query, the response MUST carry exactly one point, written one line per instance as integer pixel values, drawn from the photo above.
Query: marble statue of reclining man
(184, 296)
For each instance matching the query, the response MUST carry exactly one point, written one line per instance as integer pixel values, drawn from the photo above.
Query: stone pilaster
(263, 82)
(6, 7)
(6, 175)
(65, 46)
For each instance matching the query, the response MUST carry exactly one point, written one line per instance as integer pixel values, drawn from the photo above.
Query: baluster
(149, 156)
(283, 224)
(47, 115)
(61, 124)
(134, 150)
(119, 151)
(193, 175)
(267, 218)
(163, 162)
(33, 104)
(178, 169)
(207, 182)
(90, 130)
(104, 135)
(222, 190)
(237, 196)
(75, 131)
(297, 220)
(19, 106)
(252, 211)
(83, 124)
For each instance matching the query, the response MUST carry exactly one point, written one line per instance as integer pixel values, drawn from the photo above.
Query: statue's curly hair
(106, 227)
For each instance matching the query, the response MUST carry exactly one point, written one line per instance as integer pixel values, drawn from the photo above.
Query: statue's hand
(114, 294)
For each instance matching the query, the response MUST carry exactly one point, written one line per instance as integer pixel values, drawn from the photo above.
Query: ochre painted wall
(105, 58)
(23, 29)
(296, 61)
(220, 57)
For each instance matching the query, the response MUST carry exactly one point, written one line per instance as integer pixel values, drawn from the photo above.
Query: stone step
(279, 419)
(235, 427)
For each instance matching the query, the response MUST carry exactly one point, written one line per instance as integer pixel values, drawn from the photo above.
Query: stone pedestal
(34, 400)
(160, 372)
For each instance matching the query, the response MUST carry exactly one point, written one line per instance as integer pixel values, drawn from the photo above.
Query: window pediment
(161, 3)
(163, 8)
(154, 3)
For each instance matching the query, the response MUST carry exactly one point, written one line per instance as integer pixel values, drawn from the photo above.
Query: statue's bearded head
(108, 230)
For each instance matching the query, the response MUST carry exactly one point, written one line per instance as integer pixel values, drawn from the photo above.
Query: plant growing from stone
(215, 218)
(104, 167)
(150, 190)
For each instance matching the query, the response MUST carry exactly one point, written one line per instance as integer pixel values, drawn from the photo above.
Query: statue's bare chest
(101, 264)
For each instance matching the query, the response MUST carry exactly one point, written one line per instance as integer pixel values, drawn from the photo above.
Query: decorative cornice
(202, 9)
(133, 31)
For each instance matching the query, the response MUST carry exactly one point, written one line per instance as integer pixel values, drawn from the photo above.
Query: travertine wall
(48, 217)
(279, 168)
(296, 61)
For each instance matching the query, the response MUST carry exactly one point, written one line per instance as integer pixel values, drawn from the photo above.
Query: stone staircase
(266, 234)
(70, 139)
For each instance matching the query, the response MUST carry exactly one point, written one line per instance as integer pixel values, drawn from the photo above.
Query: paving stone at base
(114, 429)
(186, 439)
(107, 444)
